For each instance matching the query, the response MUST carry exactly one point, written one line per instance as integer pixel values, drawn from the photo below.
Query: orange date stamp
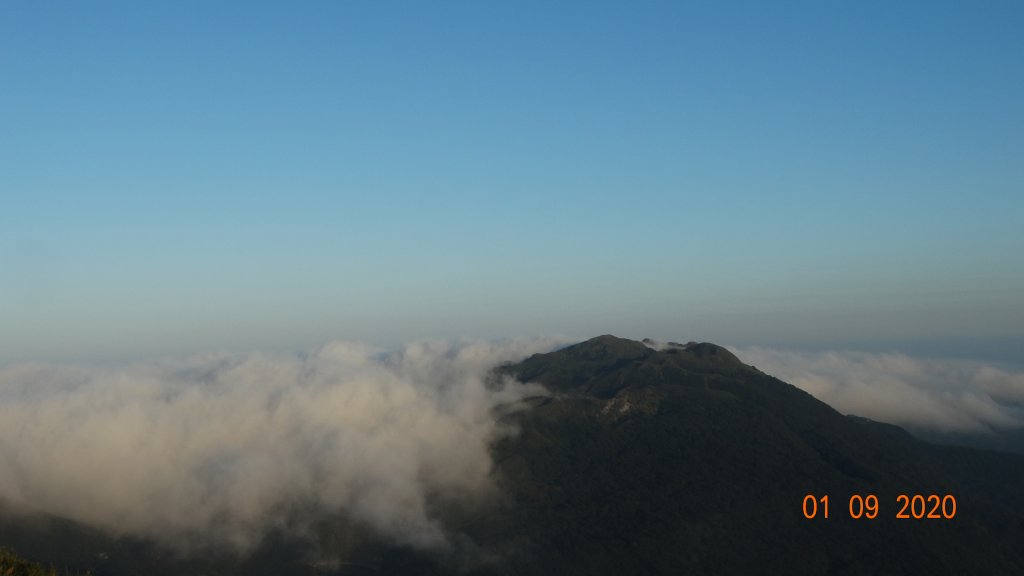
(910, 507)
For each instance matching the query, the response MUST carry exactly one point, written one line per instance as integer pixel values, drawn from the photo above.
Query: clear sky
(183, 176)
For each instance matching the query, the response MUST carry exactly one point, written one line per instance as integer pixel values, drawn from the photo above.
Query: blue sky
(180, 177)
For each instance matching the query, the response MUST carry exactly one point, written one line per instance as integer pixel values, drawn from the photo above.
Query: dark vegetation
(13, 565)
(676, 461)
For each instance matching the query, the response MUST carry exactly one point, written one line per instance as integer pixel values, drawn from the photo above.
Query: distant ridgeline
(675, 459)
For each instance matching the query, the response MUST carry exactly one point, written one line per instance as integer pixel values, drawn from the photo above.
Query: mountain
(674, 460)
(686, 460)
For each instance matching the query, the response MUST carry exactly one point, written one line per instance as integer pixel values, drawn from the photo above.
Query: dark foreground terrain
(682, 460)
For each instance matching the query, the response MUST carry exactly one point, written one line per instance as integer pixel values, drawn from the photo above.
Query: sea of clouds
(222, 449)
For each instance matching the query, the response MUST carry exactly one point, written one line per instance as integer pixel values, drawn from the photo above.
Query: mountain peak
(713, 353)
(607, 347)
(604, 365)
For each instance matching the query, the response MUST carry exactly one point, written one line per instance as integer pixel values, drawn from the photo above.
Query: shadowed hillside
(687, 459)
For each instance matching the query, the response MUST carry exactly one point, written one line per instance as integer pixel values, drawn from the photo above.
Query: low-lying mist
(219, 450)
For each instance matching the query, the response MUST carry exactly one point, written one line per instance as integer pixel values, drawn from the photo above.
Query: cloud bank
(939, 395)
(221, 449)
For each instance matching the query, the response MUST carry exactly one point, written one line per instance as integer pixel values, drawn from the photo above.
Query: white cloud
(218, 448)
(925, 394)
